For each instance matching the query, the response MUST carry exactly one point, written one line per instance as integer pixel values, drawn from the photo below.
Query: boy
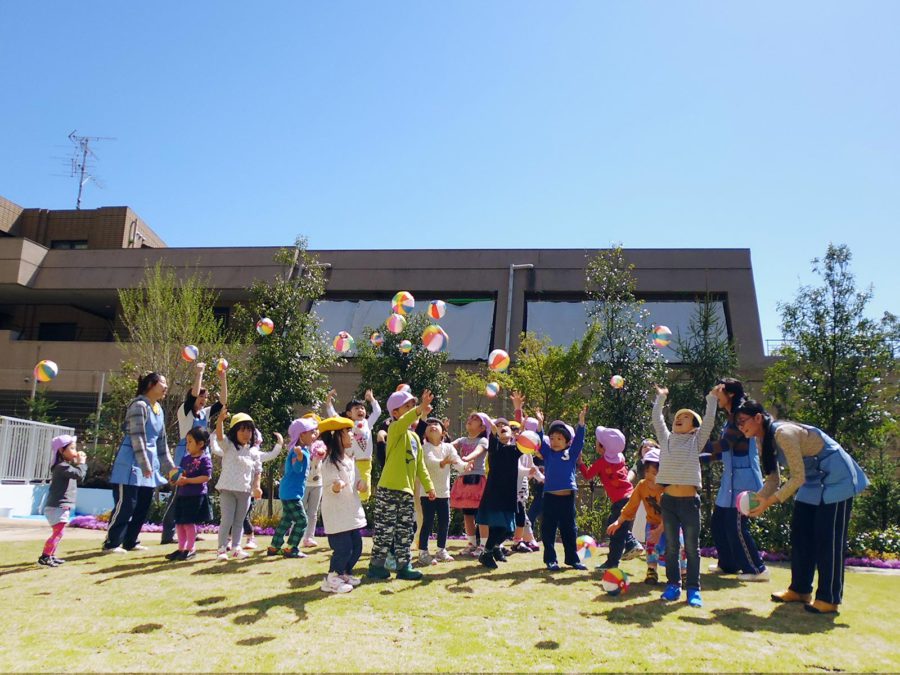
(360, 434)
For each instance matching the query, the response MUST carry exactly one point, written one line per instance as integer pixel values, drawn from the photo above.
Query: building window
(469, 322)
(57, 332)
(69, 244)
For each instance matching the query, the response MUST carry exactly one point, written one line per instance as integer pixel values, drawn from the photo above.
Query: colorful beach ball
(437, 309)
(405, 346)
(404, 387)
(498, 360)
(45, 371)
(585, 547)
(617, 382)
(528, 442)
(403, 303)
(221, 365)
(746, 501)
(343, 342)
(377, 339)
(190, 353)
(396, 323)
(491, 389)
(662, 336)
(265, 326)
(435, 338)
(614, 581)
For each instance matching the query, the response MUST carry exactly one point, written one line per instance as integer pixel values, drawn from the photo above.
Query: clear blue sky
(770, 125)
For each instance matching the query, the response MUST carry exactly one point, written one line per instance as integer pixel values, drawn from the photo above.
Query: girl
(439, 458)
(264, 457)
(239, 480)
(636, 475)
(67, 466)
(301, 434)
(533, 512)
(361, 435)
(469, 485)
(312, 497)
(192, 505)
(342, 511)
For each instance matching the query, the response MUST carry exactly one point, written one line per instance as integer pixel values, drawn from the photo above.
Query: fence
(25, 449)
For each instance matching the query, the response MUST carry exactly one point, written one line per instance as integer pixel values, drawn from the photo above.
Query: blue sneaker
(693, 596)
(578, 566)
(672, 593)
(553, 567)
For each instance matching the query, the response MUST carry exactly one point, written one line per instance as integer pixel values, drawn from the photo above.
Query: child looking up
(469, 485)
(192, 505)
(361, 433)
(301, 434)
(67, 466)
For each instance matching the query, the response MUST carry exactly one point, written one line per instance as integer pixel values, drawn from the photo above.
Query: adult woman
(142, 455)
(740, 471)
(825, 479)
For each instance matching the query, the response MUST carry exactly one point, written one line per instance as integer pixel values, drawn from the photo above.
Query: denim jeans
(684, 513)
(430, 508)
(347, 547)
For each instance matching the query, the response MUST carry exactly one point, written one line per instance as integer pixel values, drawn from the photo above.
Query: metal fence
(25, 449)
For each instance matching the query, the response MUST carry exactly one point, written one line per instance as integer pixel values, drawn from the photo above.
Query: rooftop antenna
(80, 161)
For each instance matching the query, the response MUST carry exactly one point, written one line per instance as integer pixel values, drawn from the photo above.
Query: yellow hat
(312, 415)
(238, 418)
(335, 423)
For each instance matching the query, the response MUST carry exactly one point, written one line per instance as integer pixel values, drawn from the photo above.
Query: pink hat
(298, 428)
(485, 420)
(613, 442)
(397, 399)
(651, 456)
(565, 429)
(531, 424)
(61, 442)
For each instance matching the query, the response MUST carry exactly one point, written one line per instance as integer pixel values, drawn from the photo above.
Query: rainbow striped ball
(404, 387)
(498, 360)
(221, 365)
(396, 323)
(437, 309)
(343, 342)
(492, 389)
(45, 371)
(190, 353)
(435, 338)
(617, 382)
(745, 502)
(403, 302)
(614, 581)
(405, 346)
(377, 339)
(662, 336)
(528, 442)
(265, 326)
(585, 547)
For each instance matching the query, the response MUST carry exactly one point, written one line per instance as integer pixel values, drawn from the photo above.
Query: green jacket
(404, 460)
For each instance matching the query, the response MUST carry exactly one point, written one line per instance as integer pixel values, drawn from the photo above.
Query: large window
(469, 322)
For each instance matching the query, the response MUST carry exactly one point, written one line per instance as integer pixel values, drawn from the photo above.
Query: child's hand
(361, 485)
(337, 486)
(470, 465)
(279, 438)
(181, 481)
(431, 495)
(662, 391)
(426, 399)
(539, 416)
(582, 415)
(200, 366)
(369, 395)
(330, 396)
(82, 457)
(518, 400)
(533, 472)
(611, 530)
(257, 493)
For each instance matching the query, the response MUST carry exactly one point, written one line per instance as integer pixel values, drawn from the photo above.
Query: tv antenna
(81, 161)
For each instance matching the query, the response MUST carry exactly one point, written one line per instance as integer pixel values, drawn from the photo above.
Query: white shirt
(440, 476)
(341, 511)
(239, 465)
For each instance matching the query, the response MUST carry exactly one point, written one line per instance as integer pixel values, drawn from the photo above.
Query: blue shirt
(560, 467)
(293, 482)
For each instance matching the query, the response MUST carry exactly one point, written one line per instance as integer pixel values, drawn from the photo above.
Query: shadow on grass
(252, 642)
(250, 612)
(33, 565)
(784, 618)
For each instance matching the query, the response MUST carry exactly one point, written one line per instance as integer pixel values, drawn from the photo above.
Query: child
(192, 505)
(312, 497)
(342, 511)
(68, 465)
(498, 503)
(469, 485)
(636, 475)
(533, 512)
(361, 434)
(679, 474)
(439, 457)
(560, 459)
(301, 434)
(394, 513)
(523, 536)
(646, 494)
(264, 457)
(610, 467)
(238, 481)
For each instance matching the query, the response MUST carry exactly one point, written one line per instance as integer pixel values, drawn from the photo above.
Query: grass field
(140, 612)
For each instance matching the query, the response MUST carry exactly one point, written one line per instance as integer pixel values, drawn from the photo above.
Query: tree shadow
(784, 618)
(252, 642)
(250, 612)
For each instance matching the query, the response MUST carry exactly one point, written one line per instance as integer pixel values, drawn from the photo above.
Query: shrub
(877, 543)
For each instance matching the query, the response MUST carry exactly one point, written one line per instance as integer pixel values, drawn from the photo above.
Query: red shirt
(613, 476)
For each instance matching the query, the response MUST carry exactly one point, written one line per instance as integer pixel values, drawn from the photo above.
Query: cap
(335, 423)
(61, 442)
(651, 456)
(531, 424)
(690, 412)
(485, 420)
(398, 399)
(302, 426)
(514, 425)
(563, 428)
(238, 418)
(613, 442)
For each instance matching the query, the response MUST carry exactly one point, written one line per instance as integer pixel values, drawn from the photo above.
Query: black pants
(734, 543)
(347, 547)
(168, 522)
(559, 513)
(496, 536)
(439, 507)
(818, 542)
(620, 539)
(131, 504)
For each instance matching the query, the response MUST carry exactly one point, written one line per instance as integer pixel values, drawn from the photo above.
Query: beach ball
(745, 502)
(377, 339)
(404, 387)
(435, 338)
(662, 336)
(343, 342)
(437, 309)
(45, 371)
(585, 547)
(396, 323)
(405, 346)
(617, 382)
(498, 360)
(221, 365)
(265, 326)
(614, 581)
(190, 353)
(491, 389)
(528, 442)
(403, 303)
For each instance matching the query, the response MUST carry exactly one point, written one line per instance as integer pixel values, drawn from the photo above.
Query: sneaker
(500, 554)
(821, 607)
(533, 545)
(166, 541)
(58, 561)
(791, 596)
(504, 550)
(443, 556)
(174, 555)
(477, 551)
(632, 553)
(605, 566)
(408, 573)
(47, 561)
(227, 547)
(762, 575)
(350, 579)
(188, 555)
(426, 559)
(553, 567)
(222, 554)
(239, 554)
(334, 584)
(293, 553)
(578, 566)
(138, 547)
(251, 544)
(652, 577)
(522, 547)
(487, 559)
(468, 549)
(378, 572)
(271, 550)
(693, 597)
(117, 549)
(391, 562)
(672, 593)
(309, 543)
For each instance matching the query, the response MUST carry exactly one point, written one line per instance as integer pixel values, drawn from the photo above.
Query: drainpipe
(509, 298)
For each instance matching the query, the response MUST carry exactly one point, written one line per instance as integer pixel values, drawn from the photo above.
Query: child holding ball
(68, 466)
(469, 485)
(192, 505)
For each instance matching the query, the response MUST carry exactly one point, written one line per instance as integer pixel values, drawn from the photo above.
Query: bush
(877, 543)
(772, 532)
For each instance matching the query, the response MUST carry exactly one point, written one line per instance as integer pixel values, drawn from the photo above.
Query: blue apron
(126, 469)
(740, 472)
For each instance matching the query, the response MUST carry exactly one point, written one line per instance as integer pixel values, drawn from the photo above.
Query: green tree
(40, 407)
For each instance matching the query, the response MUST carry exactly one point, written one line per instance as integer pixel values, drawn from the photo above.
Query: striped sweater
(679, 454)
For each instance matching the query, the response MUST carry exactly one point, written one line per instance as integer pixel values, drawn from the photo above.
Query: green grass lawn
(140, 612)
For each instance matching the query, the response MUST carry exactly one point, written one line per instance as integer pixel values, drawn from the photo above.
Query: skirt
(492, 518)
(466, 492)
(192, 510)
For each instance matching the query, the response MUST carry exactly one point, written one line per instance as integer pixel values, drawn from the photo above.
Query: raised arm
(376, 409)
(659, 423)
(329, 403)
(709, 420)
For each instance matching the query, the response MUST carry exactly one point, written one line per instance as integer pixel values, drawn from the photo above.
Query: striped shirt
(679, 454)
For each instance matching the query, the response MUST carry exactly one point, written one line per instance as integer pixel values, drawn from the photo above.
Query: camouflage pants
(395, 524)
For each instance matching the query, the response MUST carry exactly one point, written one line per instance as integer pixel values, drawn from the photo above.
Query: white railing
(25, 449)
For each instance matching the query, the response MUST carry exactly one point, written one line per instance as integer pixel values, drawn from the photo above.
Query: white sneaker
(762, 576)
(443, 556)
(117, 549)
(468, 549)
(477, 551)
(222, 555)
(138, 547)
(251, 544)
(309, 543)
(350, 579)
(426, 559)
(633, 553)
(334, 584)
(239, 554)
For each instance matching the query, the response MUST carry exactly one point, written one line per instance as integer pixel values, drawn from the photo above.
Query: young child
(469, 485)
(312, 497)
(647, 494)
(679, 474)
(636, 475)
(342, 511)
(610, 468)
(498, 503)
(361, 434)
(68, 465)
(192, 505)
(301, 434)
(523, 535)
(440, 456)
(264, 457)
(404, 461)
(238, 481)
(533, 512)
(561, 455)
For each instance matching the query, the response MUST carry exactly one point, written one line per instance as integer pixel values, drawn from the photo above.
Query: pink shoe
(533, 545)
(310, 543)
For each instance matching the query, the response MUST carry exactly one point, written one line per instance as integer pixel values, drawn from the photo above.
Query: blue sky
(771, 126)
